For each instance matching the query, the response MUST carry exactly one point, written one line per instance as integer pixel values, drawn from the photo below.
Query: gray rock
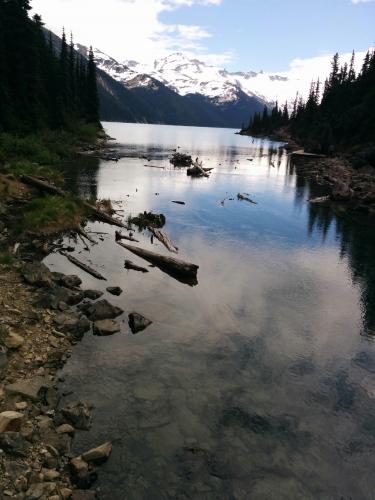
(137, 322)
(92, 294)
(78, 415)
(72, 323)
(14, 444)
(37, 274)
(106, 327)
(103, 310)
(72, 281)
(29, 388)
(114, 290)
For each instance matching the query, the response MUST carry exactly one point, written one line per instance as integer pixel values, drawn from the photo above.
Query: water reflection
(256, 383)
(356, 236)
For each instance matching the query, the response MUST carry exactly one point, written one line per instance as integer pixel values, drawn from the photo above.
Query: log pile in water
(198, 171)
(181, 160)
(182, 271)
(242, 197)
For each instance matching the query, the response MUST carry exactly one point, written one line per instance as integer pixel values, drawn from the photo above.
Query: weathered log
(246, 198)
(179, 202)
(130, 265)
(178, 269)
(119, 236)
(50, 189)
(84, 267)
(163, 238)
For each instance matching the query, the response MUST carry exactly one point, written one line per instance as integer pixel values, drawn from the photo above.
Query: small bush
(51, 214)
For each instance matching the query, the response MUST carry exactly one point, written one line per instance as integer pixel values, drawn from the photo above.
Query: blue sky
(268, 34)
(236, 34)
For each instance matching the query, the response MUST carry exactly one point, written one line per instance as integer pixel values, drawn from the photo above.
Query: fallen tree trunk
(50, 189)
(84, 267)
(163, 238)
(198, 171)
(178, 269)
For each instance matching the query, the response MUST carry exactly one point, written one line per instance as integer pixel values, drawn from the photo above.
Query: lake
(258, 383)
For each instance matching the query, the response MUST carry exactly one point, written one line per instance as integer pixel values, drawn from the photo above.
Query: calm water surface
(259, 382)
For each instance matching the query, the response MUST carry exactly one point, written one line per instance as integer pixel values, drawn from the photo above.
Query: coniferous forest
(41, 87)
(337, 117)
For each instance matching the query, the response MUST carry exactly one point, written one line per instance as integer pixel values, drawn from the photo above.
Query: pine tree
(92, 105)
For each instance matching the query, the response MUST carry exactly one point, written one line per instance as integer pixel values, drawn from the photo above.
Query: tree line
(41, 86)
(336, 116)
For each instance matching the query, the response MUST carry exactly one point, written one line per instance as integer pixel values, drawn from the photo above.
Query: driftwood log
(178, 269)
(179, 202)
(163, 238)
(84, 267)
(46, 187)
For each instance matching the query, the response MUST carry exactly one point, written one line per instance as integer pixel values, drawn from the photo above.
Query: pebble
(21, 406)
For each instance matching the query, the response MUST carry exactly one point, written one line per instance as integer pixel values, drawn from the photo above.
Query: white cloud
(362, 1)
(127, 29)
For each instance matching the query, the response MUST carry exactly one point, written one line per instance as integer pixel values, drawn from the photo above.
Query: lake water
(258, 383)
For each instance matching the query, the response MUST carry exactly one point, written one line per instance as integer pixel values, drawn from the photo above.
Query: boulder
(72, 323)
(29, 388)
(137, 322)
(98, 455)
(72, 281)
(37, 274)
(114, 290)
(10, 421)
(103, 310)
(106, 327)
(54, 297)
(92, 294)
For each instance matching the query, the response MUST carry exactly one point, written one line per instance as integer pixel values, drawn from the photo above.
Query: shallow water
(258, 383)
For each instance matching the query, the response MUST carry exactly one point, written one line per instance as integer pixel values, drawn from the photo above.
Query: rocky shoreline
(353, 188)
(40, 325)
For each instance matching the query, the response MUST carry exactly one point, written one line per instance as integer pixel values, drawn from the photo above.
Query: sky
(268, 35)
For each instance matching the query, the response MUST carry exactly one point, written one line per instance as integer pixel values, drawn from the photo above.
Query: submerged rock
(92, 294)
(106, 327)
(114, 290)
(137, 322)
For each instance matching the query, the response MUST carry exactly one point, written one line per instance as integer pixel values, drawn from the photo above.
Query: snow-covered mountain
(191, 76)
